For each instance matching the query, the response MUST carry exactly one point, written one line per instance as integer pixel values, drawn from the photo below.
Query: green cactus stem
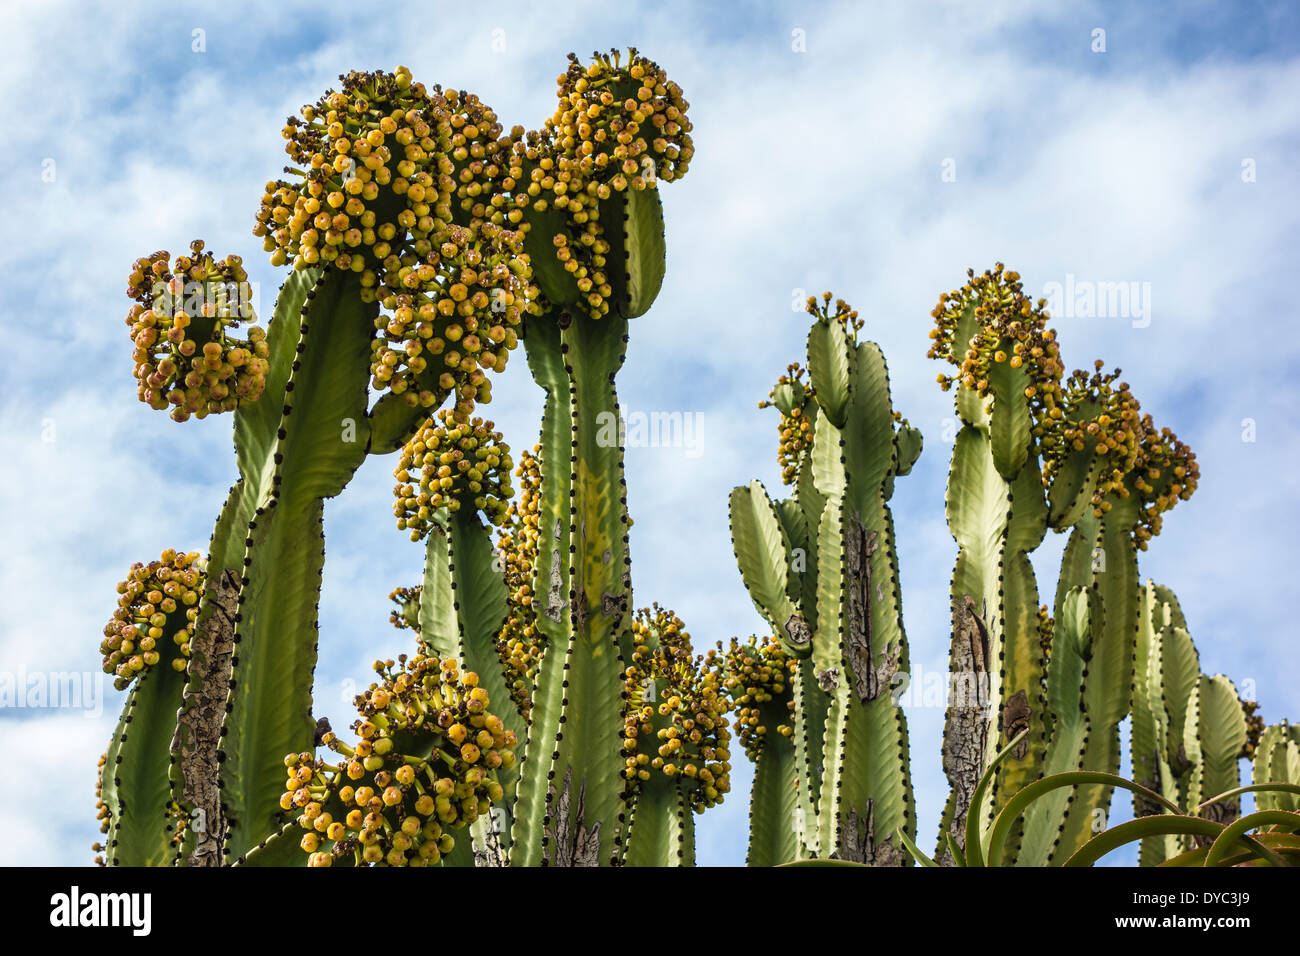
(1009, 369)
(570, 792)
(759, 678)
(1277, 759)
(821, 568)
(594, 232)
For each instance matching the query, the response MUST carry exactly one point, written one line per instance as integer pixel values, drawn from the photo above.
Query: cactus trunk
(571, 792)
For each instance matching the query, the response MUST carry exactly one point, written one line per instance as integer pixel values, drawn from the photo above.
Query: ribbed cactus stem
(1166, 671)
(860, 648)
(822, 569)
(317, 445)
(136, 789)
(662, 828)
(570, 793)
(996, 656)
(462, 608)
(1277, 760)
(776, 820)
(1101, 555)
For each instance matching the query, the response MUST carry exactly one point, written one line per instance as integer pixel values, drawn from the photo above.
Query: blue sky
(816, 168)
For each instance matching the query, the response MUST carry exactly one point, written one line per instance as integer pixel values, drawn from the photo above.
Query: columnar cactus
(1008, 378)
(540, 721)
(822, 569)
(405, 226)
(595, 231)
(1038, 450)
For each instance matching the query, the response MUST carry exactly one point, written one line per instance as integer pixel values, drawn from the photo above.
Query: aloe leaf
(1018, 803)
(1134, 830)
(917, 855)
(974, 850)
(1236, 830)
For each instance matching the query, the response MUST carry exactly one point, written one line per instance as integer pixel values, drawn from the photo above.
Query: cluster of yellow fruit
(675, 714)
(625, 126)
(376, 175)
(792, 400)
(102, 813)
(844, 314)
(617, 127)
(450, 323)
(1008, 327)
(759, 678)
(1095, 414)
(180, 323)
(179, 823)
(1166, 473)
(382, 807)
(407, 613)
(407, 187)
(157, 600)
(458, 464)
(1046, 630)
(580, 246)
(519, 644)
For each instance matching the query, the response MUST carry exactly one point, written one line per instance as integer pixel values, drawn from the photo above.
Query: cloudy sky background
(816, 168)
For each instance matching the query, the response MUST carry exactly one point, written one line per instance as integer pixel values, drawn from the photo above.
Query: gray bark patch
(555, 594)
(1015, 720)
(966, 726)
(870, 676)
(488, 850)
(1144, 806)
(858, 840)
(570, 841)
(198, 725)
(797, 631)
